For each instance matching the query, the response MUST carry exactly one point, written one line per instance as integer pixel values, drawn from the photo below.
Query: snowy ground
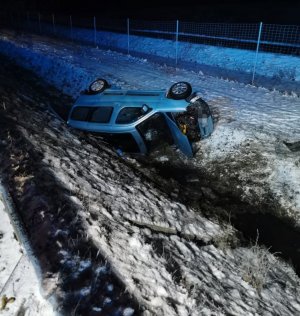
(19, 283)
(170, 257)
(252, 122)
(273, 70)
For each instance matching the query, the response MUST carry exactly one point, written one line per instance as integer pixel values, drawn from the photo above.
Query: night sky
(269, 11)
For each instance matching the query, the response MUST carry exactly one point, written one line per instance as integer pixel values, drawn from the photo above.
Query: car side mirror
(145, 108)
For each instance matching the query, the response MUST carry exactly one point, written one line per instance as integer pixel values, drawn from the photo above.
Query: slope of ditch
(253, 125)
(114, 237)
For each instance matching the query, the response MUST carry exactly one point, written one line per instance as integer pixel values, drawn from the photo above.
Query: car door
(181, 140)
(159, 130)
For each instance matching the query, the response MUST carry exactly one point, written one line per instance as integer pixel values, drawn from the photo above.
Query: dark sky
(270, 11)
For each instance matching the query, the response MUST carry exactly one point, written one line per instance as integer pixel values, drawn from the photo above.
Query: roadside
(19, 283)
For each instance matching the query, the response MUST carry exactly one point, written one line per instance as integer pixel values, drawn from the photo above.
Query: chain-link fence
(183, 41)
(154, 29)
(283, 39)
(220, 34)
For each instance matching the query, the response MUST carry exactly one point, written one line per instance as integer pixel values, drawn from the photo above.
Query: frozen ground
(166, 254)
(253, 123)
(272, 70)
(19, 283)
(92, 217)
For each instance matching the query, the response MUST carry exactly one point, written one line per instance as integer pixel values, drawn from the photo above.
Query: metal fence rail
(257, 37)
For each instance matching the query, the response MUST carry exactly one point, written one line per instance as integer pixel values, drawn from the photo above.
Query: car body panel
(180, 139)
(140, 142)
(156, 102)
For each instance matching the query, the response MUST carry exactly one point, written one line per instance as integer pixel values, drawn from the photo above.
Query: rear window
(92, 114)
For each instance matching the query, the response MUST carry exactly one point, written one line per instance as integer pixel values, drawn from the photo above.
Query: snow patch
(18, 279)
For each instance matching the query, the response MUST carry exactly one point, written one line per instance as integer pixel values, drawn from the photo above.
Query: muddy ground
(47, 211)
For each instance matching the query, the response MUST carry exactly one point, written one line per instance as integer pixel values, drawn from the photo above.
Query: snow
(162, 250)
(252, 121)
(128, 312)
(18, 278)
(228, 62)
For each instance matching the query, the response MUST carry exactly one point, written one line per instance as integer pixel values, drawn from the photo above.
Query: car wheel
(180, 90)
(98, 86)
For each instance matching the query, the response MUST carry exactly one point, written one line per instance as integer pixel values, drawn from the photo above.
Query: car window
(131, 114)
(80, 113)
(155, 131)
(92, 114)
(101, 114)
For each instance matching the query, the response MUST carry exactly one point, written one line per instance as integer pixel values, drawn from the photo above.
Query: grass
(256, 265)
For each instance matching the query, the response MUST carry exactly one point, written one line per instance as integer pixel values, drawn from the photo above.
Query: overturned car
(143, 120)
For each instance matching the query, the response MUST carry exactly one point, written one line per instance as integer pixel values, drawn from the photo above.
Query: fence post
(176, 43)
(71, 27)
(40, 28)
(257, 49)
(53, 23)
(95, 31)
(128, 35)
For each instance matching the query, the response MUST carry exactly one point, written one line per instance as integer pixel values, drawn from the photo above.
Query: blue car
(141, 121)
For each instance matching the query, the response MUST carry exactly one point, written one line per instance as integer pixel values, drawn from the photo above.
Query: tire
(98, 86)
(180, 90)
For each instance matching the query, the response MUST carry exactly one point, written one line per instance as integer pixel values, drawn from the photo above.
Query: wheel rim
(97, 85)
(179, 88)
